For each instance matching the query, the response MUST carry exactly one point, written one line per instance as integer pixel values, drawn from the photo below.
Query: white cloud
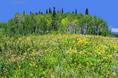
(114, 30)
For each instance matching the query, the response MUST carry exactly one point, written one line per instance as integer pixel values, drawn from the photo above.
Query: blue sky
(106, 9)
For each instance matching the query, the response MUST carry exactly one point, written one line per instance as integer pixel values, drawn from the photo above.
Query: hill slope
(59, 56)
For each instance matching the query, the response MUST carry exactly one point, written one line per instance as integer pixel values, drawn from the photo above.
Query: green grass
(59, 56)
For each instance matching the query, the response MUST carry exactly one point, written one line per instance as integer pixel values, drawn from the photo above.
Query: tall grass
(59, 56)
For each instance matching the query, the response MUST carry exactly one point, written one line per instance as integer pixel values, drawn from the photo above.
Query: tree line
(55, 21)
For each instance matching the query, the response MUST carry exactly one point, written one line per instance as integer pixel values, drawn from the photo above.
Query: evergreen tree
(62, 11)
(75, 11)
(36, 13)
(47, 11)
(54, 20)
(39, 12)
(86, 11)
(54, 12)
(50, 11)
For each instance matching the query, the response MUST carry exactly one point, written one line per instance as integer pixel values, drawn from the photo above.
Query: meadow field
(58, 56)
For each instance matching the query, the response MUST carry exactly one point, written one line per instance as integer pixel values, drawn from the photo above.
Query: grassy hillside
(59, 56)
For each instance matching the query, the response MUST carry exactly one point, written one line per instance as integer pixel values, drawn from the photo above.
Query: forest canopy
(56, 21)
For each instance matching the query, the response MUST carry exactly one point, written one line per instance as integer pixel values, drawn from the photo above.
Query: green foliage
(61, 56)
(56, 21)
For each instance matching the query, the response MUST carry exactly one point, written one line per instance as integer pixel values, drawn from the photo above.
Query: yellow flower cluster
(70, 51)
(82, 42)
(101, 49)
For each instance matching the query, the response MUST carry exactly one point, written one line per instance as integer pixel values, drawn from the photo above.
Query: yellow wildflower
(72, 50)
(101, 49)
(82, 42)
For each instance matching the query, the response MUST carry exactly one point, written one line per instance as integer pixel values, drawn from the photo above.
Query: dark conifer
(47, 11)
(54, 11)
(75, 11)
(62, 11)
(36, 13)
(86, 11)
(50, 11)
(39, 12)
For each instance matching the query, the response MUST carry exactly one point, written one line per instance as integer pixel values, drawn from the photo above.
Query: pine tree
(54, 12)
(36, 13)
(50, 11)
(54, 20)
(86, 11)
(75, 11)
(47, 11)
(39, 12)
